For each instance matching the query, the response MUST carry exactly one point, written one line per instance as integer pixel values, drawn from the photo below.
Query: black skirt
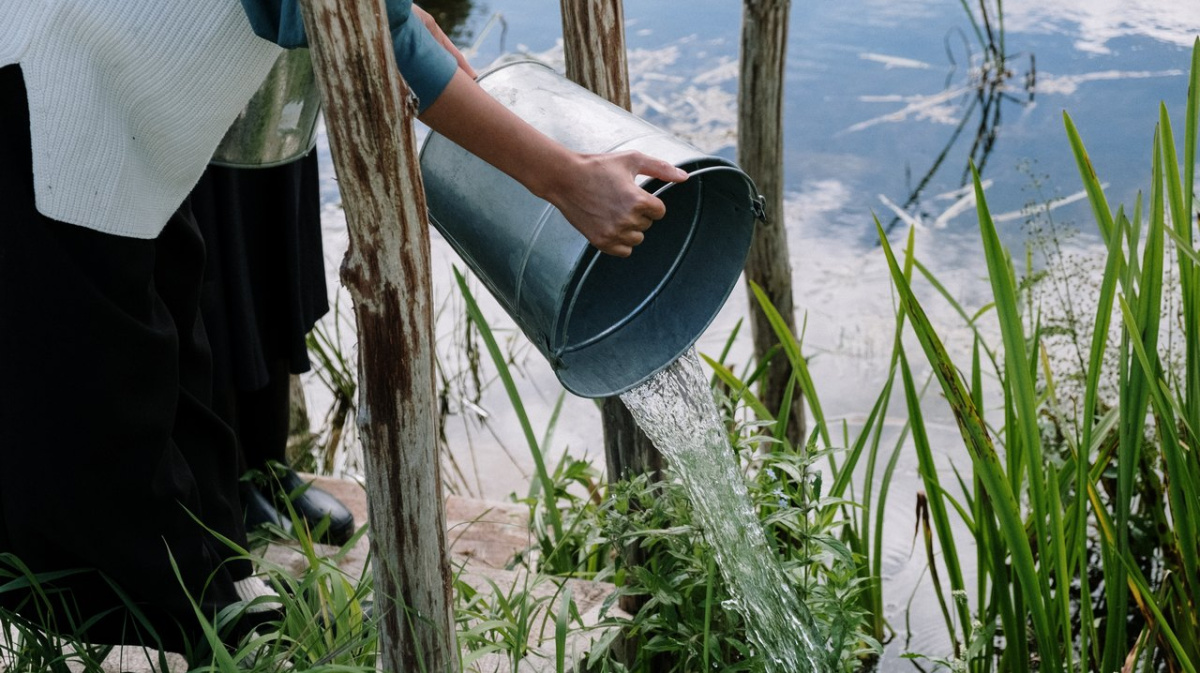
(110, 454)
(265, 272)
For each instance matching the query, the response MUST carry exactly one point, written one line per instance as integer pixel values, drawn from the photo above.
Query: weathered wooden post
(594, 46)
(368, 115)
(760, 154)
(594, 49)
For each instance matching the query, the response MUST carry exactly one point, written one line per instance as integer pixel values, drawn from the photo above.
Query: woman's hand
(598, 196)
(440, 36)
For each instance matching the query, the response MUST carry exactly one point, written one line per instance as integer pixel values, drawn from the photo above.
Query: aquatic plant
(1041, 526)
(988, 27)
(988, 86)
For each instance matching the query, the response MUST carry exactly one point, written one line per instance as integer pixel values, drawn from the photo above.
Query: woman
(114, 468)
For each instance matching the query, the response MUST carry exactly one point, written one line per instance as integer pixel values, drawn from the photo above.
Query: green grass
(684, 621)
(323, 626)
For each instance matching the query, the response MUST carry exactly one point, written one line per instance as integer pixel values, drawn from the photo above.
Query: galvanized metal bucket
(279, 124)
(605, 323)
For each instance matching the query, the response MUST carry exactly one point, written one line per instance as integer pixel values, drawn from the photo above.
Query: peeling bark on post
(368, 114)
(760, 154)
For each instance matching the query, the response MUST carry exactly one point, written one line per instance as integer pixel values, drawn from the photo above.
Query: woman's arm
(595, 192)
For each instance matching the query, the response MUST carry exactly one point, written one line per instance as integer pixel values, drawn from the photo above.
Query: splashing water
(676, 410)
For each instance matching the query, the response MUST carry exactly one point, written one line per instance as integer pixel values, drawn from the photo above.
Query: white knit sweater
(128, 99)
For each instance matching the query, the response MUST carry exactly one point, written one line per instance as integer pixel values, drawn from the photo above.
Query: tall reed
(1037, 520)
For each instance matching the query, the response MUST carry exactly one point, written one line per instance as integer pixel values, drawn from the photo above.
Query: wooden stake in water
(760, 153)
(675, 408)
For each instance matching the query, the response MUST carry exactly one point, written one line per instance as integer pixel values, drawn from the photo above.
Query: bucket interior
(623, 319)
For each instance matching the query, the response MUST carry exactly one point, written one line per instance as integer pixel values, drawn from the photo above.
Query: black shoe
(261, 512)
(314, 505)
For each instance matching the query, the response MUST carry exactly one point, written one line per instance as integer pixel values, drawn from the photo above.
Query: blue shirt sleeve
(423, 61)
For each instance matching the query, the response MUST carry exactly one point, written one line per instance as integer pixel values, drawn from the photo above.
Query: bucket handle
(562, 349)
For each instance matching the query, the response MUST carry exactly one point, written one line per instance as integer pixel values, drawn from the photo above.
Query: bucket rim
(511, 60)
(590, 254)
(561, 353)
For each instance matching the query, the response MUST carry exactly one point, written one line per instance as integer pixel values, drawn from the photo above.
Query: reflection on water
(882, 114)
(987, 94)
(452, 16)
(1093, 25)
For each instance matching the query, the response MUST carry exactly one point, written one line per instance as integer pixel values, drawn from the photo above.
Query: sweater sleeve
(425, 64)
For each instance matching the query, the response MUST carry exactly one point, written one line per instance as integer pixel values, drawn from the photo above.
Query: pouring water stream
(676, 410)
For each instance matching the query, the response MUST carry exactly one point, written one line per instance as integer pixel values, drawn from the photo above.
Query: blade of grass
(1060, 556)
(799, 364)
(1145, 299)
(972, 321)
(936, 505)
(1091, 183)
(739, 390)
(983, 454)
(1182, 492)
(1181, 234)
(1136, 579)
(535, 486)
(560, 632)
(1019, 384)
(485, 332)
(1191, 132)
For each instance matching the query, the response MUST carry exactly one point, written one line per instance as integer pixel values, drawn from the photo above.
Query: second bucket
(605, 323)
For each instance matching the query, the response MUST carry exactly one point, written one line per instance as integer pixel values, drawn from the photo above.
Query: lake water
(876, 92)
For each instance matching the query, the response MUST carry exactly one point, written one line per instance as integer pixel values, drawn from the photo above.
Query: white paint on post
(368, 115)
